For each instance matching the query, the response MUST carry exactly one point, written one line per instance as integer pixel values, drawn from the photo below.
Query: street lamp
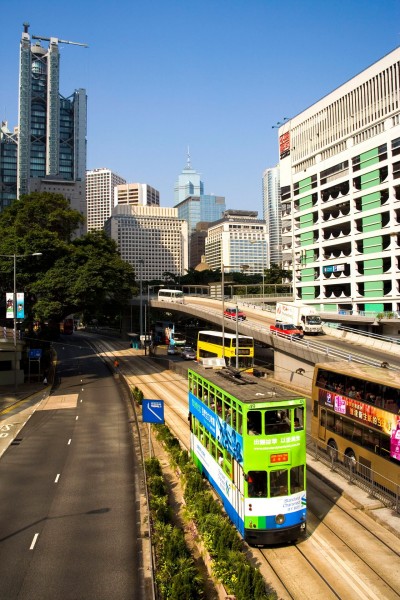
(141, 263)
(14, 257)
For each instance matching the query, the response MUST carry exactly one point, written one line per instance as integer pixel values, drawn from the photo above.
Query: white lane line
(76, 418)
(69, 441)
(57, 478)
(35, 537)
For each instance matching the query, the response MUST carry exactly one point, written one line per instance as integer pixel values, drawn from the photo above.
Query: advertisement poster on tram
(395, 441)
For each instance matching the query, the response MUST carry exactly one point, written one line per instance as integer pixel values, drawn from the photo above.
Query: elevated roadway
(294, 359)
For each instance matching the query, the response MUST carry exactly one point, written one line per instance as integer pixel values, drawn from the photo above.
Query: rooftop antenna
(188, 159)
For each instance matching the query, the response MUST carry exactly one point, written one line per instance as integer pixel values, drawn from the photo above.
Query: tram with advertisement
(356, 419)
(215, 344)
(247, 437)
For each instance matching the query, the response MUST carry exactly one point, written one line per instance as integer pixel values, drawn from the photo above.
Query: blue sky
(216, 75)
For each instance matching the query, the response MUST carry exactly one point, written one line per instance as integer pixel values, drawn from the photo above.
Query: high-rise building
(188, 184)
(272, 213)
(151, 238)
(139, 194)
(51, 132)
(340, 193)
(8, 165)
(239, 242)
(100, 186)
(197, 209)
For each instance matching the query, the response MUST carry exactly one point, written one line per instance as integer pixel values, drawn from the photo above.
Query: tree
(83, 275)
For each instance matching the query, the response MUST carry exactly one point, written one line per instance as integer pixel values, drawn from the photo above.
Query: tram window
(385, 446)
(370, 440)
(338, 424)
(283, 421)
(299, 419)
(278, 483)
(257, 484)
(330, 421)
(297, 479)
(254, 422)
(271, 420)
(323, 417)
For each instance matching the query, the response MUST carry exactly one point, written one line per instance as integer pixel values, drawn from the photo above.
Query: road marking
(35, 537)
(57, 478)
(69, 441)
(76, 418)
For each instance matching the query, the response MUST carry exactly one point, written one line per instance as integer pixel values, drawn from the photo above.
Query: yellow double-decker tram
(237, 350)
(356, 418)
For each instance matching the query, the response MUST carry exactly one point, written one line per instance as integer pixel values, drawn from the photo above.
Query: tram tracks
(346, 554)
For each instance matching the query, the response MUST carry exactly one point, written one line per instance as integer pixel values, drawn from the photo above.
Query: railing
(353, 471)
(258, 330)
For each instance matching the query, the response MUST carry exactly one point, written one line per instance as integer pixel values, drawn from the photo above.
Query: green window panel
(307, 274)
(373, 244)
(305, 202)
(307, 293)
(309, 256)
(305, 185)
(369, 158)
(330, 308)
(373, 288)
(306, 220)
(370, 179)
(306, 238)
(371, 201)
(373, 267)
(372, 223)
(373, 307)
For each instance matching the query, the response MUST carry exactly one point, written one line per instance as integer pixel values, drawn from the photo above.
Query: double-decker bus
(247, 437)
(214, 344)
(170, 295)
(356, 419)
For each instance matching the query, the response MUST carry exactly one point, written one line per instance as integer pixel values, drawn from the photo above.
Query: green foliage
(137, 395)
(152, 466)
(220, 538)
(157, 486)
(83, 275)
(160, 509)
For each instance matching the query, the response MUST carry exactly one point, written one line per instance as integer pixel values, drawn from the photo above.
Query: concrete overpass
(294, 359)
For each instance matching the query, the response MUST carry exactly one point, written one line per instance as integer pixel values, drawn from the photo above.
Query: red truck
(287, 329)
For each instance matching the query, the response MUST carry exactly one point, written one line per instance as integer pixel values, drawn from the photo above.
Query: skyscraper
(272, 213)
(51, 133)
(100, 186)
(188, 184)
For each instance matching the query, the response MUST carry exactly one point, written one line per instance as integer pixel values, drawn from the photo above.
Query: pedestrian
(45, 380)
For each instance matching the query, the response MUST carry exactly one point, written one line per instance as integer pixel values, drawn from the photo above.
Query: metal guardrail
(356, 473)
(313, 346)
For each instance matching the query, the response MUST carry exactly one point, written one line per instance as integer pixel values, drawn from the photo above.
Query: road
(68, 518)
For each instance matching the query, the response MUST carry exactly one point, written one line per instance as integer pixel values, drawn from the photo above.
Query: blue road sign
(35, 353)
(153, 411)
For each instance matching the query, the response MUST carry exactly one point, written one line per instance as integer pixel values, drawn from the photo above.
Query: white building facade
(340, 194)
(100, 184)
(239, 242)
(139, 194)
(152, 239)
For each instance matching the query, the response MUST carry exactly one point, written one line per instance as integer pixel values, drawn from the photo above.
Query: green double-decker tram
(248, 438)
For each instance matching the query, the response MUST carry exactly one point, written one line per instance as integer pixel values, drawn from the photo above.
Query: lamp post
(141, 262)
(14, 257)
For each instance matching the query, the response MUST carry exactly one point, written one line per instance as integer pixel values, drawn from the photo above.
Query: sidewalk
(9, 395)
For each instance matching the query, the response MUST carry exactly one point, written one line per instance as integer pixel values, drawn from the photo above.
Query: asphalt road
(68, 520)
